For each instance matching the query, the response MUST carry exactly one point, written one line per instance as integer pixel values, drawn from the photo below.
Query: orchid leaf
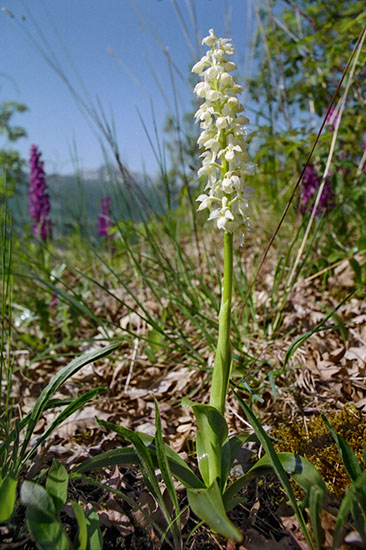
(95, 539)
(146, 463)
(211, 435)
(231, 449)
(143, 455)
(127, 456)
(208, 505)
(278, 467)
(300, 469)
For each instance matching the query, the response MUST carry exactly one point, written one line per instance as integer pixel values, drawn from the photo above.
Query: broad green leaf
(81, 539)
(211, 435)
(349, 459)
(41, 518)
(127, 456)
(60, 378)
(38, 501)
(8, 495)
(208, 505)
(95, 539)
(277, 466)
(56, 484)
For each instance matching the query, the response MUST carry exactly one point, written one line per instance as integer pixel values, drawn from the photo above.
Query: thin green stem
(222, 366)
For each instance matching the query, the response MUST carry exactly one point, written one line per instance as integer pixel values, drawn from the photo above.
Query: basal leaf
(127, 456)
(231, 449)
(56, 484)
(8, 495)
(300, 469)
(208, 505)
(39, 503)
(211, 435)
(146, 464)
(277, 466)
(41, 518)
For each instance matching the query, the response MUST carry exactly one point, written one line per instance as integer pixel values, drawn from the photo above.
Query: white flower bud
(210, 40)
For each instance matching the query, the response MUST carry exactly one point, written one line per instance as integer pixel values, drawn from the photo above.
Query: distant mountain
(75, 199)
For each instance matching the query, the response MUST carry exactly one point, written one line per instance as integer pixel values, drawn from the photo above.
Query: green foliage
(14, 457)
(8, 492)
(10, 162)
(208, 505)
(276, 463)
(43, 507)
(302, 51)
(210, 500)
(144, 458)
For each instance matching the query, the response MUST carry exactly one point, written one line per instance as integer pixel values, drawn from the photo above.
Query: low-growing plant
(42, 513)
(17, 449)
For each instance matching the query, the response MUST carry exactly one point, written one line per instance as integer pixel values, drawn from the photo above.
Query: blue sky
(82, 34)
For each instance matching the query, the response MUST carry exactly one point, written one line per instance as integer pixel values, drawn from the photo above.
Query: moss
(313, 441)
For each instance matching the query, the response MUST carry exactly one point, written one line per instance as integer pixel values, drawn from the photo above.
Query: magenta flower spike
(39, 199)
(105, 220)
(310, 184)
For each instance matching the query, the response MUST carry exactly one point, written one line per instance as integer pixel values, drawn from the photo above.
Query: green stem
(223, 359)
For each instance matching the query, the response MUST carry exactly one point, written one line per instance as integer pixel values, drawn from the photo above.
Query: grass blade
(349, 459)
(60, 378)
